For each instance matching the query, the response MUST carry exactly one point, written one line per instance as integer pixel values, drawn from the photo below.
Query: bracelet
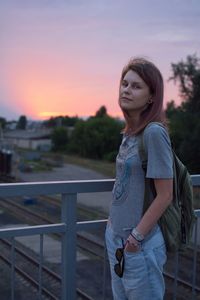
(138, 236)
(136, 243)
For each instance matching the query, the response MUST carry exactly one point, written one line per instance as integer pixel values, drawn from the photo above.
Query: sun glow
(41, 93)
(49, 114)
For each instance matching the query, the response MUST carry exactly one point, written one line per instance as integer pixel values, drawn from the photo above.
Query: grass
(103, 167)
(108, 169)
(36, 166)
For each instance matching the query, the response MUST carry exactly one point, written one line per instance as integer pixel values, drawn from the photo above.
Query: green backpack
(178, 220)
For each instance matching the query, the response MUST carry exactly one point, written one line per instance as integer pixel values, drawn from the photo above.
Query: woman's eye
(124, 83)
(135, 86)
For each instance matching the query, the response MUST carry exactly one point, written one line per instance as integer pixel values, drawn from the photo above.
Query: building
(29, 139)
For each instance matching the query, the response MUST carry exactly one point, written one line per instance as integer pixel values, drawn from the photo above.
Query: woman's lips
(126, 99)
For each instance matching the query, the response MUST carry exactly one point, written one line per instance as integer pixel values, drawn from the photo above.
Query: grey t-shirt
(128, 191)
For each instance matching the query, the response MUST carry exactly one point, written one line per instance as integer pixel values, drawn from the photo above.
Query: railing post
(13, 269)
(68, 216)
(176, 267)
(194, 269)
(194, 261)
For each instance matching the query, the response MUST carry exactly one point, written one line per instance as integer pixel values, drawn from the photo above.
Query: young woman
(135, 244)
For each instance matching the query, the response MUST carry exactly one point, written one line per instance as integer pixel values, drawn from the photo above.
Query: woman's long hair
(153, 78)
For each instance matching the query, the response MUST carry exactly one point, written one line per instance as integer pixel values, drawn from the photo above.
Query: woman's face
(134, 93)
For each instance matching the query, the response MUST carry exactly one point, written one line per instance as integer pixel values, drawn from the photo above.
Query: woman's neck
(135, 119)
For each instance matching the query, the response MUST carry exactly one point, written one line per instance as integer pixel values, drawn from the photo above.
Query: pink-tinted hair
(153, 78)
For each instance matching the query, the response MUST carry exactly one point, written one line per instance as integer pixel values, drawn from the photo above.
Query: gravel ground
(21, 292)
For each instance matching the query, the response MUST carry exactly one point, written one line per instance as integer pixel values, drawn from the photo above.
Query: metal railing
(68, 226)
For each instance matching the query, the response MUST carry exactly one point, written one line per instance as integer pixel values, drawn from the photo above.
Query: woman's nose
(127, 89)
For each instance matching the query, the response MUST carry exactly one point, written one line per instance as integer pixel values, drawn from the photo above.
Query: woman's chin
(125, 106)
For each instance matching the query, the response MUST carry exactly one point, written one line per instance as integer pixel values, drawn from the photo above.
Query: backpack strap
(142, 151)
(141, 146)
(143, 158)
(149, 182)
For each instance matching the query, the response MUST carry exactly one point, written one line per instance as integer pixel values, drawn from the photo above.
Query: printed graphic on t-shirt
(121, 186)
(124, 168)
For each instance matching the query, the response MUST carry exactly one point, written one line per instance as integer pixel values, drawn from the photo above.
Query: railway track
(28, 268)
(87, 243)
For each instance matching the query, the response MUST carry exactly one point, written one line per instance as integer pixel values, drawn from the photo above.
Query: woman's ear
(150, 101)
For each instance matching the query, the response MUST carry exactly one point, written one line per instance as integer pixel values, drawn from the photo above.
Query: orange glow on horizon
(42, 93)
(49, 114)
(43, 90)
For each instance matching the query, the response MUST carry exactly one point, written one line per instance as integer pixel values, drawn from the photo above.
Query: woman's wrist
(133, 241)
(137, 235)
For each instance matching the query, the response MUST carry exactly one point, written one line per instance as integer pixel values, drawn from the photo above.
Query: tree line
(98, 137)
(184, 120)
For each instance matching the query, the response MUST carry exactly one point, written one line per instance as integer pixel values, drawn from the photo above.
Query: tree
(77, 142)
(98, 138)
(2, 122)
(102, 136)
(61, 121)
(70, 121)
(184, 122)
(22, 122)
(59, 139)
(188, 76)
(101, 112)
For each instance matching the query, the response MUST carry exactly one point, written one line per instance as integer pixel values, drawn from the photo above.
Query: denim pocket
(135, 268)
(160, 256)
(130, 253)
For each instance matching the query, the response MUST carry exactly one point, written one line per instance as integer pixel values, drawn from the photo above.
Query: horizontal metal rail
(52, 228)
(32, 230)
(61, 187)
(55, 187)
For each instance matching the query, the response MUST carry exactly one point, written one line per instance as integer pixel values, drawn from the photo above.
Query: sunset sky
(64, 57)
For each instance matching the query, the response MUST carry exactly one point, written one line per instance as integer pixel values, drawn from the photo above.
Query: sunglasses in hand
(119, 267)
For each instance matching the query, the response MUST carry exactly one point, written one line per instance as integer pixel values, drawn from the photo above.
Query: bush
(59, 139)
(96, 138)
(111, 157)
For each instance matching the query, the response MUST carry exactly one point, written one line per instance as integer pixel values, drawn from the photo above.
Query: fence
(68, 226)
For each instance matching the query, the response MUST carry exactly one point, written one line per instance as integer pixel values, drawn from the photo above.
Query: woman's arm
(164, 190)
(160, 168)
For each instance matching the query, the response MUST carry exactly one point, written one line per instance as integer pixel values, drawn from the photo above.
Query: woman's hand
(132, 245)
